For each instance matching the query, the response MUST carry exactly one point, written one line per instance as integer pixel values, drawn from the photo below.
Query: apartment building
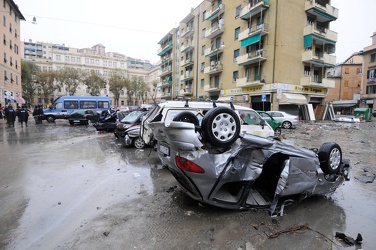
(10, 66)
(49, 56)
(368, 95)
(266, 54)
(345, 95)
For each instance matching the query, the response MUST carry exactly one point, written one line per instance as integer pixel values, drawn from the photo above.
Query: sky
(134, 28)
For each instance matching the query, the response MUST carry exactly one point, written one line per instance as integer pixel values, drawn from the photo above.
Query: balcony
(186, 48)
(165, 49)
(253, 8)
(214, 69)
(323, 12)
(251, 81)
(214, 87)
(320, 34)
(215, 30)
(215, 11)
(186, 91)
(317, 82)
(209, 52)
(187, 76)
(188, 32)
(261, 29)
(186, 63)
(166, 71)
(319, 59)
(252, 57)
(166, 95)
(166, 82)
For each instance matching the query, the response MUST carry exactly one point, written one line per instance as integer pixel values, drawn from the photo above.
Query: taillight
(188, 166)
(296, 118)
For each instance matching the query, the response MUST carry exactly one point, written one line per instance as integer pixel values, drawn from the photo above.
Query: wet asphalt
(69, 187)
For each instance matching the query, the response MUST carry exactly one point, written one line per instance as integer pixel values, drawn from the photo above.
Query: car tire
(50, 119)
(71, 123)
(220, 127)
(286, 124)
(330, 156)
(186, 116)
(278, 131)
(138, 143)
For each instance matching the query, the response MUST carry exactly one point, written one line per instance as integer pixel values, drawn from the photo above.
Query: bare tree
(29, 85)
(68, 79)
(94, 82)
(45, 82)
(117, 84)
(153, 91)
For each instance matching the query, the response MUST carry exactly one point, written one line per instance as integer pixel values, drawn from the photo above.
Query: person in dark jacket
(23, 115)
(38, 114)
(11, 115)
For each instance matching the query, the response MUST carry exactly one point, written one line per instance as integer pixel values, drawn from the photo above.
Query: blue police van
(63, 106)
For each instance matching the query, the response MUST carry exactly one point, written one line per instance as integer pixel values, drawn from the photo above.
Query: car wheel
(186, 116)
(330, 156)
(50, 119)
(71, 122)
(286, 124)
(221, 126)
(138, 143)
(278, 131)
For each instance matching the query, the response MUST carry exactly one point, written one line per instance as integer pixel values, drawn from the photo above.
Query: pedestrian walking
(23, 115)
(11, 115)
(38, 114)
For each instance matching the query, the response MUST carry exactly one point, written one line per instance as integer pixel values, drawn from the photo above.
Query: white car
(194, 111)
(288, 120)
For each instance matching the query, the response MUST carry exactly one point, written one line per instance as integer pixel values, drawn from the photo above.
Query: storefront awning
(297, 99)
(250, 40)
(224, 99)
(20, 100)
(345, 103)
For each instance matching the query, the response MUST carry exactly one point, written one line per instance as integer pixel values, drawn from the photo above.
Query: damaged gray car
(217, 164)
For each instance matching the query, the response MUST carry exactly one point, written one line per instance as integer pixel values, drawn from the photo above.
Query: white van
(251, 122)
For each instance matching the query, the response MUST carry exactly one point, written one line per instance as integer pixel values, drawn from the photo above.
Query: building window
(202, 83)
(203, 50)
(347, 71)
(67, 58)
(73, 59)
(86, 60)
(373, 57)
(202, 67)
(91, 61)
(5, 57)
(346, 83)
(359, 70)
(237, 11)
(237, 31)
(97, 62)
(203, 16)
(16, 79)
(236, 55)
(58, 57)
(235, 76)
(203, 33)
(114, 64)
(4, 21)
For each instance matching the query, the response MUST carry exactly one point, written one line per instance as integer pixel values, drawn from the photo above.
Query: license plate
(164, 150)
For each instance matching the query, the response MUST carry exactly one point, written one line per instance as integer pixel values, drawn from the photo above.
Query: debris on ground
(368, 177)
(349, 240)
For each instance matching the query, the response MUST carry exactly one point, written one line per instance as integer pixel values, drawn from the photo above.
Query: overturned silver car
(217, 164)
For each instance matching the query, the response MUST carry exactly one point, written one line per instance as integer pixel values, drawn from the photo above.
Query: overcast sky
(134, 28)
